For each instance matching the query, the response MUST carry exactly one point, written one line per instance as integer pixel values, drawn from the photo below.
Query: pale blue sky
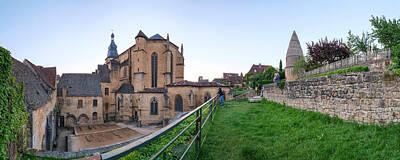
(218, 36)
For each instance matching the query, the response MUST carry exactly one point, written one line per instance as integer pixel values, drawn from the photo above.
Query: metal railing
(351, 61)
(197, 139)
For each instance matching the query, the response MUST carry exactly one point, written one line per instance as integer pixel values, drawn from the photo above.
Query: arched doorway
(71, 120)
(178, 103)
(83, 119)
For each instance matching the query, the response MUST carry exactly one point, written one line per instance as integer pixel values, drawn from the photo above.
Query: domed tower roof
(294, 51)
(141, 34)
(112, 49)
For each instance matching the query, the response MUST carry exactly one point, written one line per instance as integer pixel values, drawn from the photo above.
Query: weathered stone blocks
(363, 97)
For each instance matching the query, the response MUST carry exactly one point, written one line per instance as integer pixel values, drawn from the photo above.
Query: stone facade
(40, 101)
(369, 97)
(134, 85)
(72, 113)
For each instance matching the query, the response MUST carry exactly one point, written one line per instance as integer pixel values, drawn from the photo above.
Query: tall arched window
(178, 103)
(154, 70)
(154, 107)
(172, 68)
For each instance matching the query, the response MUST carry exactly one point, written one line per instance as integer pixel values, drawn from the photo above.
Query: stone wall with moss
(369, 97)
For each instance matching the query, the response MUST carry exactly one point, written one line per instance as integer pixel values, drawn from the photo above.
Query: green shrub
(347, 70)
(13, 114)
(281, 84)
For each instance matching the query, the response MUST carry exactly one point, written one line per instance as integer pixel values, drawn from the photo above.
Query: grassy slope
(269, 130)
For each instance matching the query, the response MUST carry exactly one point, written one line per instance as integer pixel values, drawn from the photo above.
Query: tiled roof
(156, 37)
(80, 85)
(196, 84)
(36, 91)
(258, 68)
(125, 88)
(48, 74)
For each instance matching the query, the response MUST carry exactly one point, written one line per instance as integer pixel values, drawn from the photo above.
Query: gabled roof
(141, 34)
(258, 68)
(156, 37)
(36, 91)
(125, 88)
(80, 85)
(47, 74)
(104, 73)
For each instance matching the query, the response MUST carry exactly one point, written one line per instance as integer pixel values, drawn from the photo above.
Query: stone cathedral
(144, 84)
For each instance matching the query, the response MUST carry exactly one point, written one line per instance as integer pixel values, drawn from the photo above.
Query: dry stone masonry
(369, 97)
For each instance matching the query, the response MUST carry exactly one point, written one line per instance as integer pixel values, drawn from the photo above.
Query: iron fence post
(199, 137)
(211, 107)
(197, 131)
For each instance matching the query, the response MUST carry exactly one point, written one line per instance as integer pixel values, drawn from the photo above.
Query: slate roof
(152, 90)
(196, 84)
(47, 74)
(125, 88)
(112, 49)
(104, 73)
(156, 37)
(36, 91)
(80, 85)
(141, 34)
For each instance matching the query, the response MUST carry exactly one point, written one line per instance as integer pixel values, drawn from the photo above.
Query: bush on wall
(13, 114)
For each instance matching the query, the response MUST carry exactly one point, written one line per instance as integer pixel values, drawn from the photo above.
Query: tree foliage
(299, 66)
(13, 114)
(387, 31)
(269, 73)
(280, 66)
(325, 51)
(360, 44)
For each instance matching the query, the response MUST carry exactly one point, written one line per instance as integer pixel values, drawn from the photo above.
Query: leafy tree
(388, 34)
(299, 66)
(269, 73)
(13, 114)
(360, 44)
(280, 66)
(386, 31)
(325, 51)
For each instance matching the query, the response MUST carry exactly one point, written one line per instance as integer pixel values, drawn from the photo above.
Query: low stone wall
(368, 97)
(85, 153)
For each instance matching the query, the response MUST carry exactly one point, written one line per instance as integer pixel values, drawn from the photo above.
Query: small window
(80, 104)
(154, 107)
(125, 72)
(106, 91)
(94, 115)
(60, 102)
(95, 103)
(106, 107)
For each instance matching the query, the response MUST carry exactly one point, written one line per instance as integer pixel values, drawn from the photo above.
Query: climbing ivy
(13, 114)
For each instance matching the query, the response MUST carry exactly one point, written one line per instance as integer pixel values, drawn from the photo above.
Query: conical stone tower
(293, 53)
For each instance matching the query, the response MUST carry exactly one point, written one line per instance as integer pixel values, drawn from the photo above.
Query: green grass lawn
(239, 92)
(268, 130)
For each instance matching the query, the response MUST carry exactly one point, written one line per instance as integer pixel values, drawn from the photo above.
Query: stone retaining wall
(368, 97)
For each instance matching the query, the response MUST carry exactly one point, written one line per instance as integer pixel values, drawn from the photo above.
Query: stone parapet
(368, 97)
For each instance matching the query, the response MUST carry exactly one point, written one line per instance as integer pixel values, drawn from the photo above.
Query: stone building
(294, 52)
(79, 98)
(138, 84)
(40, 100)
